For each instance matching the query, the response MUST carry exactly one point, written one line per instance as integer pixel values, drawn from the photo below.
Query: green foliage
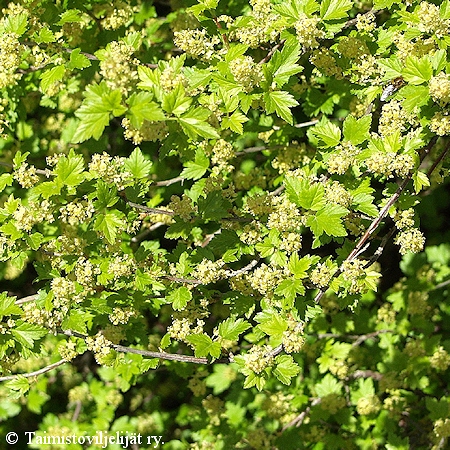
(202, 210)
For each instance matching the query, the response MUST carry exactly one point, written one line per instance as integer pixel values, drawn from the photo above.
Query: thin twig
(157, 355)
(45, 172)
(150, 210)
(35, 373)
(30, 298)
(272, 51)
(168, 182)
(297, 421)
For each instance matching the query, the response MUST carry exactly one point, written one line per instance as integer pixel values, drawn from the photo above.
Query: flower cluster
(386, 164)
(183, 327)
(197, 385)
(117, 67)
(110, 170)
(393, 118)
(439, 87)
(122, 315)
(222, 152)
(290, 241)
(418, 303)
(404, 219)
(149, 131)
(395, 403)
(208, 271)
(182, 207)
(26, 217)
(325, 61)
(354, 273)
(322, 274)
(265, 279)
(26, 176)
(441, 431)
(353, 48)
(214, 407)
(196, 43)
(257, 177)
(169, 79)
(286, 215)
(63, 291)
(430, 20)
(260, 28)
(76, 212)
(414, 349)
(67, 350)
(279, 406)
(386, 314)
(85, 272)
(113, 15)
(340, 160)
(293, 340)
(49, 319)
(10, 58)
(440, 123)
(440, 359)
(246, 72)
(368, 405)
(410, 240)
(258, 359)
(336, 193)
(100, 346)
(251, 233)
(308, 32)
(259, 205)
(365, 23)
(290, 157)
(333, 403)
(121, 266)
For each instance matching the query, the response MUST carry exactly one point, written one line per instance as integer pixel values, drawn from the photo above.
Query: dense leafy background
(213, 217)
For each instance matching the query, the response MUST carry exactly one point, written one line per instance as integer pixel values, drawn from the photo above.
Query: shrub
(210, 224)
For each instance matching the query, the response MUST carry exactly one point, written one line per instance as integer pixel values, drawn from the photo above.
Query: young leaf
(214, 206)
(334, 9)
(78, 60)
(69, 169)
(289, 289)
(137, 165)
(231, 328)
(108, 224)
(196, 169)
(6, 179)
(280, 102)
(357, 130)
(194, 123)
(420, 181)
(179, 298)
(26, 333)
(283, 64)
(328, 385)
(176, 102)
(96, 110)
(285, 368)
(204, 345)
(328, 133)
(141, 107)
(8, 306)
(328, 220)
(51, 76)
(274, 325)
(234, 122)
(417, 70)
(304, 194)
